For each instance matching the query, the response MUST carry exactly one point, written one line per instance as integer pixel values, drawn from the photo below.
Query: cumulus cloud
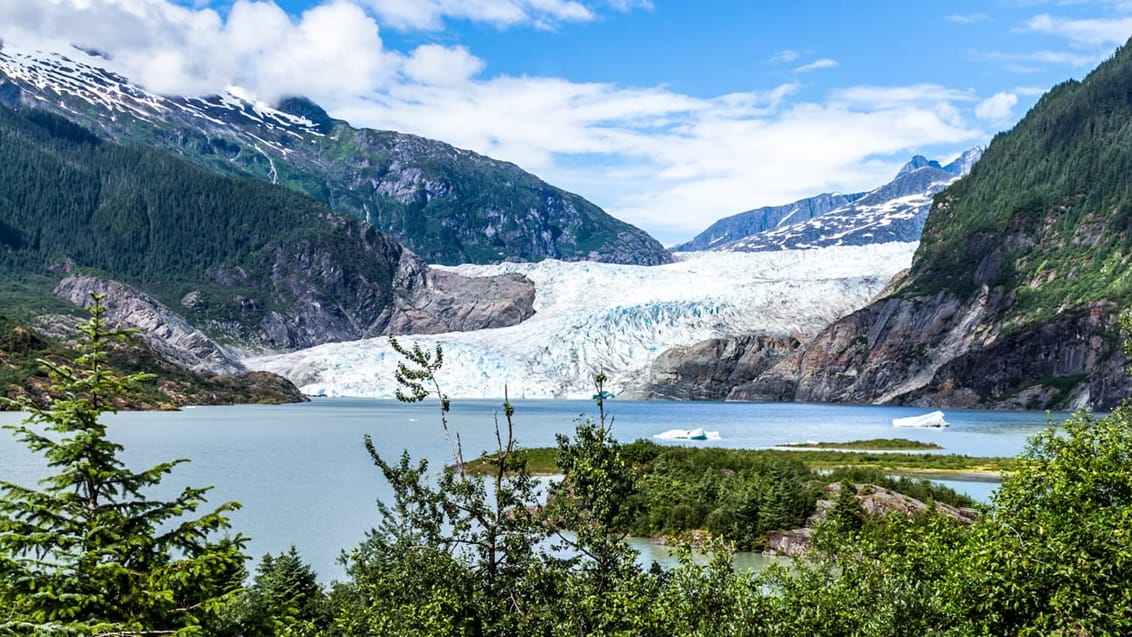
(824, 63)
(997, 109)
(331, 50)
(672, 163)
(435, 64)
(1087, 32)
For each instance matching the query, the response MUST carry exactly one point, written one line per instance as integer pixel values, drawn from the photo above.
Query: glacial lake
(304, 478)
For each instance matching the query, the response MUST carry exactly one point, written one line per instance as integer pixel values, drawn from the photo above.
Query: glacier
(593, 317)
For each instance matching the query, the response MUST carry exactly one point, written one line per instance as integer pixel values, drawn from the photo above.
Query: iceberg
(932, 419)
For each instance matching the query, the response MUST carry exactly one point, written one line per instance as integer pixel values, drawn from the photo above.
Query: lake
(304, 478)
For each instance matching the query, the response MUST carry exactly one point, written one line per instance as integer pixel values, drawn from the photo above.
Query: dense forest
(1061, 174)
(72, 202)
(460, 553)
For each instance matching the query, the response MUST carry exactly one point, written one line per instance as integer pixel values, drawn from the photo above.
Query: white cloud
(434, 64)
(883, 97)
(1031, 61)
(1086, 32)
(330, 51)
(997, 109)
(430, 14)
(824, 63)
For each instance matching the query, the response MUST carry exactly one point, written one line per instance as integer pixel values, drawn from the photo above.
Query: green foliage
(1045, 212)
(847, 516)
(22, 375)
(454, 554)
(72, 202)
(91, 552)
(1056, 552)
(876, 444)
(284, 599)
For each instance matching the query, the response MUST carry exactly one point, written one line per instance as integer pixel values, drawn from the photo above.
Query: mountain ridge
(895, 211)
(446, 204)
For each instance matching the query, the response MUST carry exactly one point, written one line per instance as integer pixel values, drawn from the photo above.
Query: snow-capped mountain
(895, 211)
(446, 204)
(592, 316)
(740, 226)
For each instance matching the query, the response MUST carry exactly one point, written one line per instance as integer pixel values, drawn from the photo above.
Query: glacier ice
(616, 318)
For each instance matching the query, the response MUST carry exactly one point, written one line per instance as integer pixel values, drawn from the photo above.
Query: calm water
(304, 478)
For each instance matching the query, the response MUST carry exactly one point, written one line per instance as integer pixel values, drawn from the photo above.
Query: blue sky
(668, 114)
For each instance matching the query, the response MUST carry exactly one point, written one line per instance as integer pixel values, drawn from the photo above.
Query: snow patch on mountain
(617, 318)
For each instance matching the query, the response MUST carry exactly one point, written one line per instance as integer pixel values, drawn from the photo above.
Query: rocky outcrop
(439, 301)
(710, 369)
(874, 500)
(173, 338)
(317, 297)
(938, 351)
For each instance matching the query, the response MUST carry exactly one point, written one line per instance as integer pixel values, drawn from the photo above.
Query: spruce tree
(89, 551)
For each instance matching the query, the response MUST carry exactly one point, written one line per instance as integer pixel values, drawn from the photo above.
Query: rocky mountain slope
(21, 374)
(745, 224)
(445, 204)
(895, 211)
(1013, 297)
(250, 263)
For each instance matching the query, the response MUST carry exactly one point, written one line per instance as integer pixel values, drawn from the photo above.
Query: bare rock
(708, 370)
(158, 326)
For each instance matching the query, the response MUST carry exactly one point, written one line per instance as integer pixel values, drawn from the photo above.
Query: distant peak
(918, 162)
(304, 107)
(962, 164)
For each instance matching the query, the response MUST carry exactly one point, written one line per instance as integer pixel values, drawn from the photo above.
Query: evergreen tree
(90, 552)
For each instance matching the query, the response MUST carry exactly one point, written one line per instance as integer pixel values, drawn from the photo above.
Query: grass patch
(874, 444)
(541, 461)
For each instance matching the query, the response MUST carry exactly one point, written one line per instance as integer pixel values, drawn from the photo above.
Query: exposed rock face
(325, 299)
(710, 369)
(938, 351)
(318, 297)
(442, 301)
(167, 333)
(877, 501)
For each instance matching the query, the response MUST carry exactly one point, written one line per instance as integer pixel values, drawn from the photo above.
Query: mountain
(617, 318)
(893, 212)
(1014, 294)
(253, 264)
(734, 228)
(445, 204)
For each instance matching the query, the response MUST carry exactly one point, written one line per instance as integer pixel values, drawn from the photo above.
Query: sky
(669, 114)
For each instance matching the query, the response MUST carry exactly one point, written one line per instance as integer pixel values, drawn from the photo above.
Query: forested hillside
(238, 257)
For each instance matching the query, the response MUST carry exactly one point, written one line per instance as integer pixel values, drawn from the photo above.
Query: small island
(873, 444)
